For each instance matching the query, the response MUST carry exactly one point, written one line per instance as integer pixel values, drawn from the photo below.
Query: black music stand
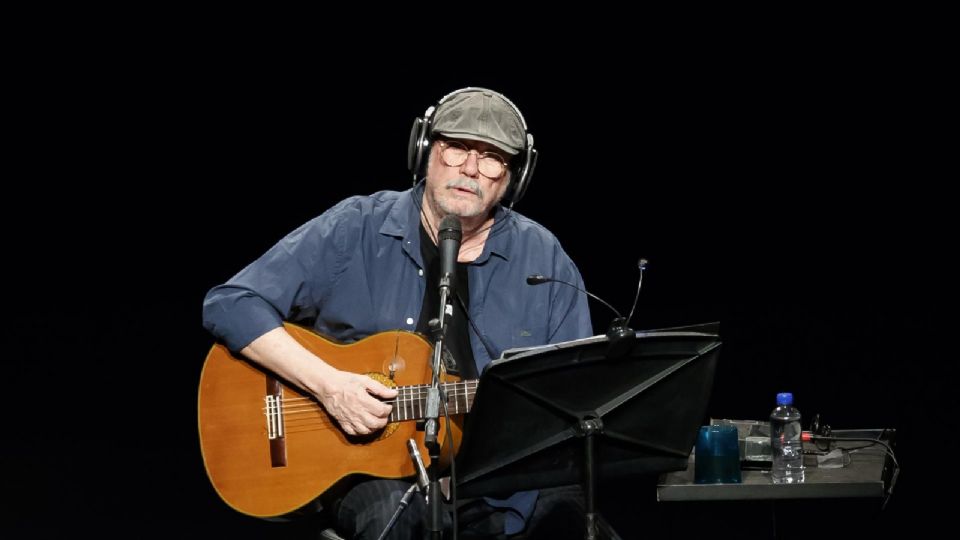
(573, 410)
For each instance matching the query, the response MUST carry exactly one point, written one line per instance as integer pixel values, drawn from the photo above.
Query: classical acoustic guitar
(270, 448)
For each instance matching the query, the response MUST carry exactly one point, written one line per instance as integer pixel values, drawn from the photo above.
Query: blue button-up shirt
(356, 270)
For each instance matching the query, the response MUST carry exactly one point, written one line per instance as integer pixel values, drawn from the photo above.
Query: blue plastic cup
(717, 459)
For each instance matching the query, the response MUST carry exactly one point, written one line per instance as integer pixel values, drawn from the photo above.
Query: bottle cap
(785, 398)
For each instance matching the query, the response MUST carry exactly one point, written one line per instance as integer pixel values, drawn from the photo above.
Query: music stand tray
(558, 414)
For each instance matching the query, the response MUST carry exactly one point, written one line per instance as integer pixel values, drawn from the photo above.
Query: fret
(395, 414)
(412, 402)
(456, 402)
(470, 389)
(418, 405)
(424, 394)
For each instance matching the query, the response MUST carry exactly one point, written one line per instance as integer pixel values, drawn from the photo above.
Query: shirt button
(420, 271)
(409, 320)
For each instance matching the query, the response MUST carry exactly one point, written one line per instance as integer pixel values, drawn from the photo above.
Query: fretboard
(411, 401)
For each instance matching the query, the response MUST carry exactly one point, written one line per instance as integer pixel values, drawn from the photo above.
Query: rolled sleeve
(288, 282)
(238, 316)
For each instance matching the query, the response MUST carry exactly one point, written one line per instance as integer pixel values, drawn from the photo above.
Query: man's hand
(352, 400)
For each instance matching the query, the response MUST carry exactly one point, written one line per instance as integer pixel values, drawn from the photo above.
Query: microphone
(449, 236)
(422, 479)
(537, 279)
(620, 335)
(642, 265)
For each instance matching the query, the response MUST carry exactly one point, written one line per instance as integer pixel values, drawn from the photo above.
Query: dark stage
(795, 208)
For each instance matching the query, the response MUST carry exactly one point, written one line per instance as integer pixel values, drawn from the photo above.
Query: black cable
(463, 306)
(453, 469)
(844, 452)
(887, 450)
(852, 448)
(432, 234)
(500, 224)
(404, 501)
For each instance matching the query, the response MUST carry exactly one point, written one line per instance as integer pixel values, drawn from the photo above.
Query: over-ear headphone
(522, 165)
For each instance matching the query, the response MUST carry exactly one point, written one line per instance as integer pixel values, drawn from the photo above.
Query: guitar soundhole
(382, 379)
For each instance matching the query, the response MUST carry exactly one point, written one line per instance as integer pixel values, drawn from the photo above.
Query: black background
(790, 194)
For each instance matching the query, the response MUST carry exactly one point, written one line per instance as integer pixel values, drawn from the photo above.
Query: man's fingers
(356, 404)
(378, 389)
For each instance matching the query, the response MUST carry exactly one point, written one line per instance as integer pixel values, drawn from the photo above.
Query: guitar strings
(401, 399)
(418, 394)
(316, 419)
(304, 414)
(310, 407)
(300, 419)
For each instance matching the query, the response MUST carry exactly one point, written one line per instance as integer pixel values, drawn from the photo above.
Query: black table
(867, 475)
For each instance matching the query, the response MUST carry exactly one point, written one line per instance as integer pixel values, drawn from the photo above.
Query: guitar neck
(411, 401)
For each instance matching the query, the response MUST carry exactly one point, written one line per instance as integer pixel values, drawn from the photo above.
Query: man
(370, 264)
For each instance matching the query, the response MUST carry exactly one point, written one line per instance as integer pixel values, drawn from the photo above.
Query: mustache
(466, 183)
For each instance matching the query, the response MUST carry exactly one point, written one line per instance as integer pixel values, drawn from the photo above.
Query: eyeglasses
(454, 154)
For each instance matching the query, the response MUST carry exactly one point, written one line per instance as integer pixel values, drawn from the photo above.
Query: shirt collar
(501, 236)
(403, 213)
(404, 221)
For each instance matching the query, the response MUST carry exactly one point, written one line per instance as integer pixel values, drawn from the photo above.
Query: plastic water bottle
(785, 441)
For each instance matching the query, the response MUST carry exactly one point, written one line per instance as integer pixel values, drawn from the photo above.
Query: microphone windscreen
(450, 229)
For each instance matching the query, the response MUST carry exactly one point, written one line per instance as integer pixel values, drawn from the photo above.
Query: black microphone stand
(620, 341)
(449, 236)
(621, 338)
(432, 416)
(420, 485)
(620, 335)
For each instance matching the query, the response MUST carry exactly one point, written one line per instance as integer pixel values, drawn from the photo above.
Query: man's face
(462, 190)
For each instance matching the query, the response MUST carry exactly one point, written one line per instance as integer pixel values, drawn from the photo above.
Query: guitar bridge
(273, 411)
